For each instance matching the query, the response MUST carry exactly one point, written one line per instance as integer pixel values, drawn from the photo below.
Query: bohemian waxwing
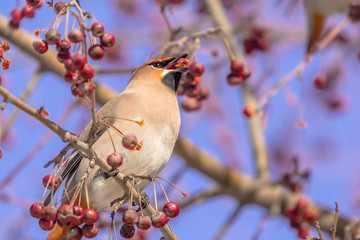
(150, 97)
(317, 11)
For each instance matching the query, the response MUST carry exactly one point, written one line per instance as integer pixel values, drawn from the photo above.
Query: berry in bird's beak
(177, 63)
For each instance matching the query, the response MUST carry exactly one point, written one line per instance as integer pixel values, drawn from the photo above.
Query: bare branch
(228, 223)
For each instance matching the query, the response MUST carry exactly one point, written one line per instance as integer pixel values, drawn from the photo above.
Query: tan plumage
(150, 97)
(317, 11)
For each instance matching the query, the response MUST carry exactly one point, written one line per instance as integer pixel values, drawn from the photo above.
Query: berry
(16, 14)
(127, 231)
(192, 91)
(129, 141)
(28, 12)
(71, 76)
(107, 40)
(74, 233)
(59, 6)
(90, 230)
(115, 160)
(237, 66)
(159, 220)
(171, 209)
(246, 73)
(90, 216)
(46, 225)
(78, 61)
(36, 210)
(65, 212)
(144, 222)
(50, 213)
(52, 36)
(190, 104)
(34, 3)
(309, 216)
(87, 72)
(61, 57)
(197, 69)
(248, 112)
(234, 79)
(63, 46)
(303, 232)
(1, 152)
(76, 36)
(130, 217)
(50, 181)
(320, 82)
(203, 93)
(97, 29)
(14, 24)
(96, 52)
(78, 210)
(40, 46)
(1, 52)
(301, 204)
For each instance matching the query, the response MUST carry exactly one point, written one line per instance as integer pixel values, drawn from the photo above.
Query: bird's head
(166, 71)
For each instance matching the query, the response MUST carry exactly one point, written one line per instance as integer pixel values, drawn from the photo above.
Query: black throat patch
(172, 80)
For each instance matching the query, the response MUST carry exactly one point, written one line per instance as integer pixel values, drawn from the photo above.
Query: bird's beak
(178, 63)
(316, 25)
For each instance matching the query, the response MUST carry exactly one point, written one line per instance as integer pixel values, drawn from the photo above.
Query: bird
(317, 11)
(150, 98)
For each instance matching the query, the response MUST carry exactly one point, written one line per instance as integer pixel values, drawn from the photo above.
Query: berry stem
(156, 207)
(87, 194)
(167, 199)
(183, 193)
(66, 23)
(111, 139)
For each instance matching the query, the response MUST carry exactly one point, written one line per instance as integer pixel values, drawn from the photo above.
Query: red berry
(171, 209)
(246, 73)
(130, 217)
(78, 210)
(96, 52)
(28, 12)
(59, 6)
(52, 36)
(61, 57)
(46, 225)
(71, 76)
(63, 46)
(248, 112)
(203, 93)
(68, 63)
(237, 66)
(36, 210)
(234, 79)
(40, 46)
(90, 216)
(115, 159)
(1, 152)
(192, 91)
(76, 36)
(129, 141)
(78, 61)
(197, 69)
(320, 82)
(159, 220)
(87, 72)
(301, 204)
(127, 231)
(50, 213)
(50, 181)
(74, 233)
(16, 14)
(65, 212)
(303, 232)
(90, 230)
(144, 222)
(97, 29)
(33, 3)
(309, 216)
(1, 52)
(14, 24)
(190, 104)
(190, 79)
(107, 40)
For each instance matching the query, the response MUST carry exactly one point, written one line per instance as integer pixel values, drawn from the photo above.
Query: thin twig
(317, 226)
(228, 223)
(333, 229)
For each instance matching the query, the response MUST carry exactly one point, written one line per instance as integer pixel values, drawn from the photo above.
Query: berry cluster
(78, 72)
(27, 11)
(293, 181)
(189, 86)
(354, 13)
(239, 73)
(300, 217)
(5, 62)
(157, 220)
(256, 40)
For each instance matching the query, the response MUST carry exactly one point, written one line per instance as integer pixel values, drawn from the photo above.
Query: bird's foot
(145, 201)
(113, 172)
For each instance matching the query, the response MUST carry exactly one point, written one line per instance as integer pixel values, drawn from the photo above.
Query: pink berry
(40, 46)
(74, 233)
(90, 216)
(301, 204)
(171, 209)
(320, 82)
(107, 40)
(234, 79)
(71, 76)
(87, 72)
(63, 46)
(97, 29)
(76, 36)
(78, 210)
(59, 6)
(159, 220)
(190, 104)
(96, 52)
(36, 210)
(303, 232)
(78, 61)
(203, 93)
(115, 160)
(130, 217)
(33, 3)
(127, 231)
(52, 36)
(144, 222)
(46, 225)
(28, 12)
(16, 14)
(50, 213)
(68, 63)
(129, 141)
(90, 230)
(237, 66)
(62, 56)
(50, 181)
(197, 69)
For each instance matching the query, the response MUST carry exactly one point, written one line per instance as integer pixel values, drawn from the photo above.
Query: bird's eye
(157, 65)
